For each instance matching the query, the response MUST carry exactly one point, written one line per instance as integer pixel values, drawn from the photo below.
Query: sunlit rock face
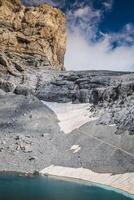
(33, 36)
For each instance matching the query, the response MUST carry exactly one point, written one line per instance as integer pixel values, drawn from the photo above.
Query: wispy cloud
(125, 37)
(88, 48)
(108, 4)
(83, 55)
(84, 20)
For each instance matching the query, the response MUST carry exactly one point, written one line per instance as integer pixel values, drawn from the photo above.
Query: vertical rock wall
(31, 37)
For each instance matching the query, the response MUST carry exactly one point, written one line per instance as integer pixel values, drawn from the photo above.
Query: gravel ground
(30, 139)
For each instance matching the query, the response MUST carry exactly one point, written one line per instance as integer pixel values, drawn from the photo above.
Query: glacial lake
(48, 188)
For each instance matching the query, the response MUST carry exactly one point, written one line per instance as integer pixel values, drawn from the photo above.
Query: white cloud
(82, 55)
(85, 19)
(125, 36)
(108, 4)
(85, 11)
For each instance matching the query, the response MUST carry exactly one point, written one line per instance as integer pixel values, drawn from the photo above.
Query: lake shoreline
(16, 173)
(123, 182)
(68, 179)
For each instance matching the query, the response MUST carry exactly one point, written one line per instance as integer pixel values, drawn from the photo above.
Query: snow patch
(71, 116)
(75, 148)
(112, 125)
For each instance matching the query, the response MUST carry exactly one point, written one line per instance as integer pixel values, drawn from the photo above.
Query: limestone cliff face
(30, 37)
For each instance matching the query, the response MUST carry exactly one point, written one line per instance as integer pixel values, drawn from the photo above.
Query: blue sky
(100, 33)
(122, 13)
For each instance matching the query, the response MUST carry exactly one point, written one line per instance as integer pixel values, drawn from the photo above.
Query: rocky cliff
(113, 92)
(30, 37)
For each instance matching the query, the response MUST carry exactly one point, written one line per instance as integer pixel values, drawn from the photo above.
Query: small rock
(3, 142)
(6, 86)
(1, 149)
(20, 137)
(26, 149)
(2, 92)
(28, 136)
(36, 173)
(44, 134)
(32, 158)
(17, 148)
(21, 90)
(30, 116)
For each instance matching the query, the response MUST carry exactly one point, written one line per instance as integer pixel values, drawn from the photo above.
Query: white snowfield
(123, 182)
(75, 148)
(71, 116)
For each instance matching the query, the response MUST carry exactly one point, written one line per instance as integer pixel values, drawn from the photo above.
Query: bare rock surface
(110, 92)
(30, 37)
(30, 140)
(30, 136)
(25, 114)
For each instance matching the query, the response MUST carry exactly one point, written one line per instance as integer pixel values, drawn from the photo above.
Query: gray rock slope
(30, 137)
(112, 91)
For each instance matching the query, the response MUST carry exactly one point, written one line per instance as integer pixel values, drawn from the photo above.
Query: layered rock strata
(30, 37)
(113, 92)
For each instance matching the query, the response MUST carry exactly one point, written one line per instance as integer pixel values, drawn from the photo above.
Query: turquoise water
(44, 188)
